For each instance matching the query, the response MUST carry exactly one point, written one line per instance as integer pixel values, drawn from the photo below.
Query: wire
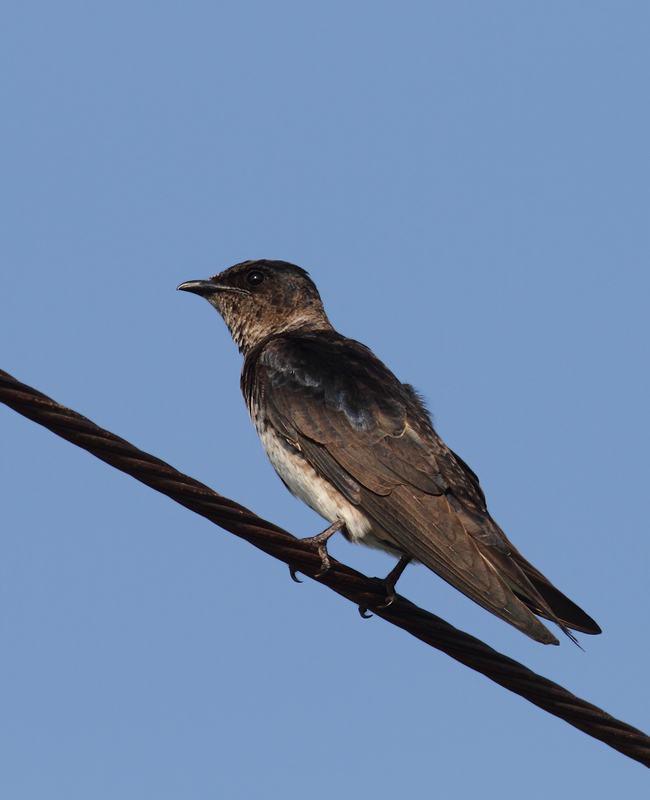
(367, 593)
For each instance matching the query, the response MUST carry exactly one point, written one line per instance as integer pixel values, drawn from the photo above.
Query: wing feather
(371, 437)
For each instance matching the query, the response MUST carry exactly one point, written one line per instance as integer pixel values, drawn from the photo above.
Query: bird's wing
(352, 418)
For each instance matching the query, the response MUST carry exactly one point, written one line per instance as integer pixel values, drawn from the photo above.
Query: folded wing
(371, 437)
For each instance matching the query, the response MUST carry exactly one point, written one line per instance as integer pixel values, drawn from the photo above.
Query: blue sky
(467, 185)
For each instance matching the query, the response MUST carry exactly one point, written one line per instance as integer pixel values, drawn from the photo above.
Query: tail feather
(532, 588)
(563, 609)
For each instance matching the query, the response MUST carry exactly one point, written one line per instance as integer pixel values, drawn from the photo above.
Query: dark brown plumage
(358, 446)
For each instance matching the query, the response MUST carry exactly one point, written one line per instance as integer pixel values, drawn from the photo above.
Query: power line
(367, 593)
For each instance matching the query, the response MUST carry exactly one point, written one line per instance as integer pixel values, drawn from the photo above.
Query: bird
(359, 447)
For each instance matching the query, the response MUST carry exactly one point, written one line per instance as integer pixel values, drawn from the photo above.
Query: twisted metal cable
(367, 593)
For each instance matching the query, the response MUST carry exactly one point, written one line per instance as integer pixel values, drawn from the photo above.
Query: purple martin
(359, 447)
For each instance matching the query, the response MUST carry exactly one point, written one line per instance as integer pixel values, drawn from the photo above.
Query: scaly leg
(393, 576)
(321, 542)
(389, 584)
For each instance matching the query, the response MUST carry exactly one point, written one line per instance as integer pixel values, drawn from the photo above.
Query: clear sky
(467, 184)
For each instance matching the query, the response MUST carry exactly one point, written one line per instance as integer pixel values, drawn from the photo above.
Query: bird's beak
(199, 287)
(206, 288)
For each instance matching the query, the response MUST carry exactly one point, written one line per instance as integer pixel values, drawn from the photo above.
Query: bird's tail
(563, 611)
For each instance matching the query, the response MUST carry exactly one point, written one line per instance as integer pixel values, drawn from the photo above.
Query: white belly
(304, 482)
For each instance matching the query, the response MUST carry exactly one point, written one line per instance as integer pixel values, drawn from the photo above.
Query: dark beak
(199, 287)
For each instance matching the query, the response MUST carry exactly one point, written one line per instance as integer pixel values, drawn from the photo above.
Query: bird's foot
(389, 585)
(320, 542)
(391, 579)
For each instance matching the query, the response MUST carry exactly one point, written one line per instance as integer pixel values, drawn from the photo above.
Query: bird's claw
(294, 577)
(321, 543)
(364, 612)
(390, 599)
(325, 563)
(390, 580)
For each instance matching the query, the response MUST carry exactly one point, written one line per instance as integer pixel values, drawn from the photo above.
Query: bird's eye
(255, 277)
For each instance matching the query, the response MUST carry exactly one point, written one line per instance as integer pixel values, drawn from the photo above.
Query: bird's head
(261, 298)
